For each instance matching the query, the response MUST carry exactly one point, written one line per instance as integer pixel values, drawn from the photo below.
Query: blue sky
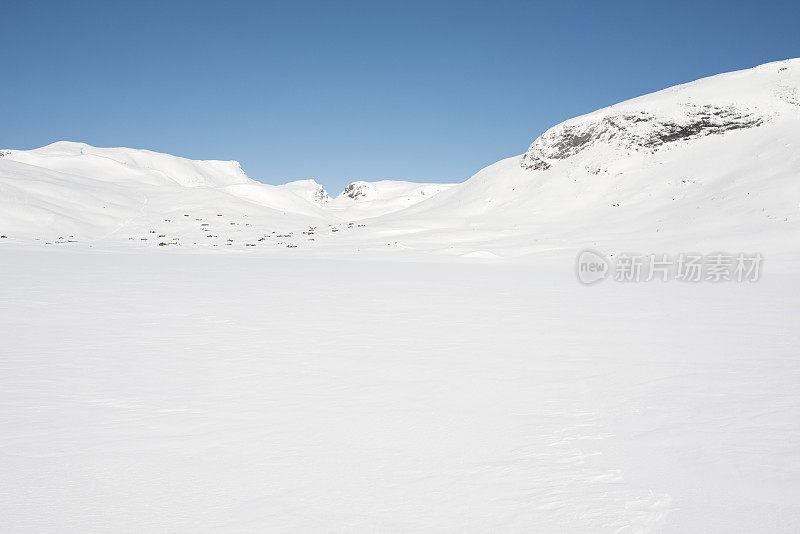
(339, 91)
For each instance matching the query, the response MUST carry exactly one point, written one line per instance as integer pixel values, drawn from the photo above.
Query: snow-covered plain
(185, 349)
(239, 393)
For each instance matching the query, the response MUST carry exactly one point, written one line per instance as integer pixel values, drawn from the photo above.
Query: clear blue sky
(339, 91)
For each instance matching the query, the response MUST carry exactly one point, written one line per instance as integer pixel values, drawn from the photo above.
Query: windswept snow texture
(234, 393)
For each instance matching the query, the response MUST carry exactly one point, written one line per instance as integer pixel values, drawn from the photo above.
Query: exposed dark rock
(640, 131)
(356, 190)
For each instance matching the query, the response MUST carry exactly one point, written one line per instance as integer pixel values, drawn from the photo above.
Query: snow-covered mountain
(710, 164)
(115, 194)
(73, 192)
(361, 200)
(191, 392)
(309, 190)
(706, 165)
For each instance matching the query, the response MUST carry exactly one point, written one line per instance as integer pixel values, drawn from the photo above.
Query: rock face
(635, 130)
(358, 190)
(321, 196)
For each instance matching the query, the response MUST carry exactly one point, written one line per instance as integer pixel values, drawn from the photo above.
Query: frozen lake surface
(200, 392)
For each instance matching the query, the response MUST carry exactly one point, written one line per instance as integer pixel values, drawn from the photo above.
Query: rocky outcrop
(636, 130)
(358, 190)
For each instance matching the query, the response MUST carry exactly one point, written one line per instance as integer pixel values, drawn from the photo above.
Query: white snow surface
(362, 200)
(410, 357)
(251, 393)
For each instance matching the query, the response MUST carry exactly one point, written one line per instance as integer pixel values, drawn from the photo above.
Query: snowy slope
(707, 165)
(72, 192)
(82, 194)
(169, 392)
(362, 199)
(129, 165)
(310, 190)
(713, 163)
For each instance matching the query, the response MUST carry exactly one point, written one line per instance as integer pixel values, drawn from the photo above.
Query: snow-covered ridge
(711, 106)
(388, 189)
(708, 165)
(147, 168)
(75, 190)
(362, 199)
(117, 164)
(639, 130)
(309, 190)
